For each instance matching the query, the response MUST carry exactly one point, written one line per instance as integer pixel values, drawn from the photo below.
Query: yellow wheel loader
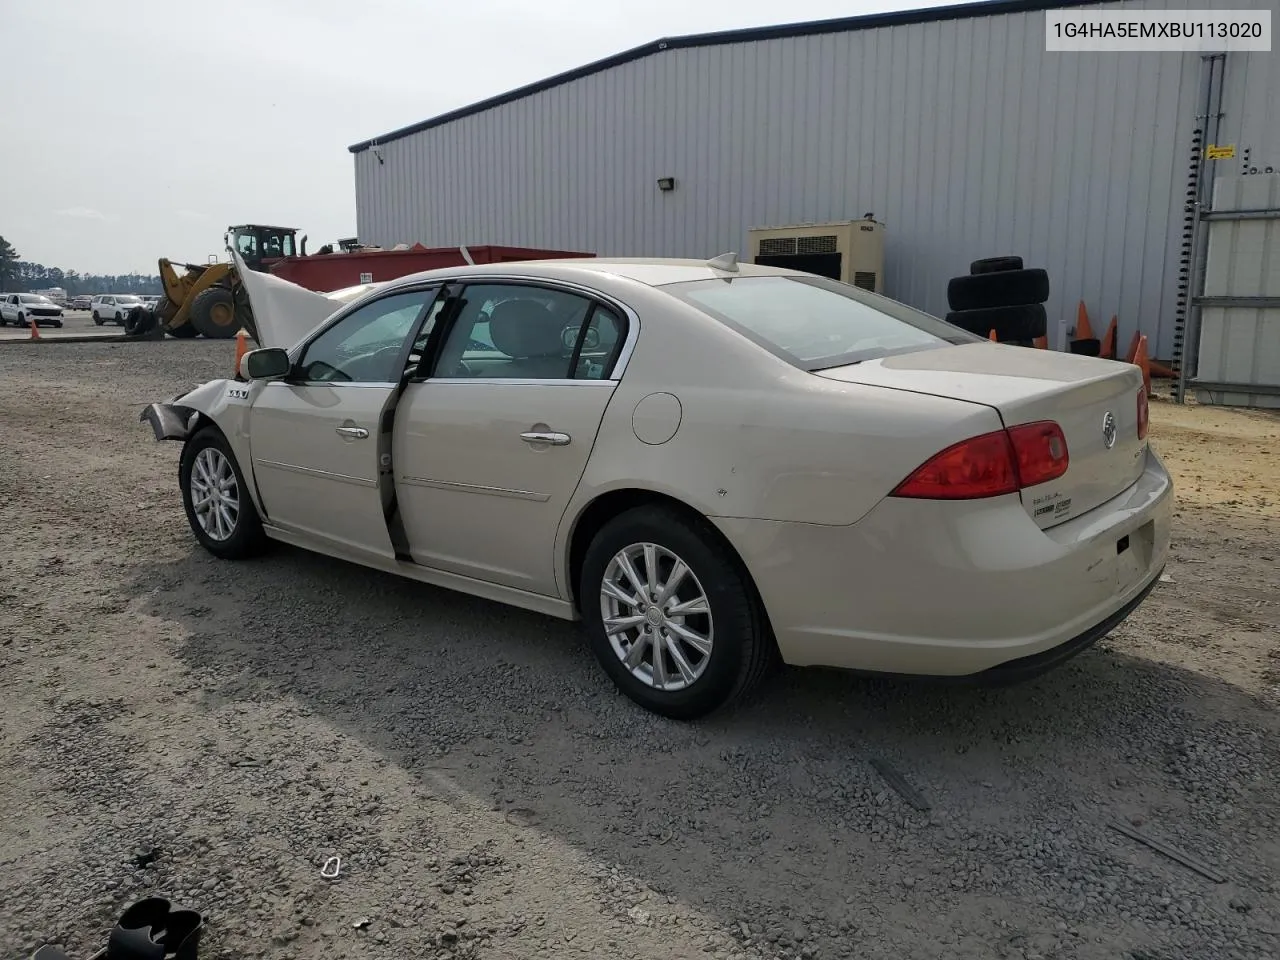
(207, 299)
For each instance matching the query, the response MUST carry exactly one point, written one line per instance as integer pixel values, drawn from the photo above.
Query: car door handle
(546, 436)
(352, 433)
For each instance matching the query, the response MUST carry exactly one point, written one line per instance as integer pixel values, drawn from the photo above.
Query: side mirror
(268, 363)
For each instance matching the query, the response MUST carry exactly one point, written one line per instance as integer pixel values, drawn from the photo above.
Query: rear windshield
(816, 323)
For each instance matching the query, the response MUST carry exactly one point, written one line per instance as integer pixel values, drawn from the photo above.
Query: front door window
(366, 346)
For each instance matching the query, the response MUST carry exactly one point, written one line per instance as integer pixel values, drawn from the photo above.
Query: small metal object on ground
(332, 867)
(1172, 852)
(899, 784)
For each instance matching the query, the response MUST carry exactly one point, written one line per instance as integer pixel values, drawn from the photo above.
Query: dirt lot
(491, 795)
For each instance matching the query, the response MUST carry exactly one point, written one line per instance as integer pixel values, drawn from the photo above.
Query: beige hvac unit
(851, 251)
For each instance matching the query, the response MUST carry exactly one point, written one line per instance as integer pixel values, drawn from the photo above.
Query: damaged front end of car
(172, 420)
(222, 402)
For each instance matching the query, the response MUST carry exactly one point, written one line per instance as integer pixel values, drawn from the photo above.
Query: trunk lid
(1025, 385)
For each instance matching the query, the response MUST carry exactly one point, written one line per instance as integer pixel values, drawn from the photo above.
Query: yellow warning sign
(1216, 152)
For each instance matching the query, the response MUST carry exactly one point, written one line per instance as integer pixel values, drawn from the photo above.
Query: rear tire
(1090, 347)
(1008, 288)
(995, 265)
(227, 526)
(97, 319)
(1010, 323)
(738, 649)
(213, 313)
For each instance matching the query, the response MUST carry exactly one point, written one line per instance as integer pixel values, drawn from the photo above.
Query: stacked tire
(1000, 294)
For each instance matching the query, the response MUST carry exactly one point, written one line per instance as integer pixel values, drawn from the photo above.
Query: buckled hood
(285, 312)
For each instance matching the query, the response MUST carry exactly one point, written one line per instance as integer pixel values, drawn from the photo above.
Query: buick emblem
(1109, 430)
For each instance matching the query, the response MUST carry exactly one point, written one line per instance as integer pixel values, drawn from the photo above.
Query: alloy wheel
(215, 495)
(656, 616)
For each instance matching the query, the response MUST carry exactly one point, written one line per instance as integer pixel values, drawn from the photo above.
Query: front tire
(213, 313)
(216, 498)
(671, 615)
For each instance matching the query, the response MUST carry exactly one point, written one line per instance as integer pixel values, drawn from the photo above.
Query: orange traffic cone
(1131, 354)
(242, 347)
(35, 330)
(1083, 330)
(1143, 362)
(992, 336)
(1108, 349)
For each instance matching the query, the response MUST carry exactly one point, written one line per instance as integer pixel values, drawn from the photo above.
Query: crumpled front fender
(225, 404)
(170, 421)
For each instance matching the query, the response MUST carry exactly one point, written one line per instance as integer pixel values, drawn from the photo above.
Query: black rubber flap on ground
(1010, 323)
(995, 264)
(1008, 288)
(152, 930)
(49, 953)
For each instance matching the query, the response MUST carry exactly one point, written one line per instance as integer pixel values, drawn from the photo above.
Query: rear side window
(816, 323)
(527, 332)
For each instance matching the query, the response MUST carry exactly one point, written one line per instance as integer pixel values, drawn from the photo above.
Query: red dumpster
(323, 272)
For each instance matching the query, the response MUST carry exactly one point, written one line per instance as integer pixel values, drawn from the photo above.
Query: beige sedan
(714, 466)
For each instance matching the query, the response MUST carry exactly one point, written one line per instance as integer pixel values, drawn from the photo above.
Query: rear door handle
(352, 433)
(546, 436)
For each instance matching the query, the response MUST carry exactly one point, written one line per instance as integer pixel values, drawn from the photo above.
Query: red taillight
(1041, 450)
(978, 467)
(1144, 413)
(991, 465)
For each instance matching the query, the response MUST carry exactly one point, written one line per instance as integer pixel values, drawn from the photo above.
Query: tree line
(19, 275)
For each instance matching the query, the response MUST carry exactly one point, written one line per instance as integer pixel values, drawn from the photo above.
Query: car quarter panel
(755, 436)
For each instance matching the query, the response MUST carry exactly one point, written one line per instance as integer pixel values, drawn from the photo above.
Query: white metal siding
(964, 137)
(1242, 344)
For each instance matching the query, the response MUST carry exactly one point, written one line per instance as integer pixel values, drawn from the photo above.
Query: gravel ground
(214, 732)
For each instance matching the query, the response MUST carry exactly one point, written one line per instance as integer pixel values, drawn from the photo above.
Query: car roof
(654, 272)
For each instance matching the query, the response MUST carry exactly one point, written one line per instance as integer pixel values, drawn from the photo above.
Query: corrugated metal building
(953, 125)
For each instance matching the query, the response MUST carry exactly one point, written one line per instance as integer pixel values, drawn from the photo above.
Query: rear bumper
(1033, 665)
(925, 588)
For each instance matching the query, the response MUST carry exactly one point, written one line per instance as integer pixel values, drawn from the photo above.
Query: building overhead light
(667, 183)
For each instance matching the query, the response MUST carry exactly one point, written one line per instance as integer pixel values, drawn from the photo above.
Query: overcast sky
(136, 129)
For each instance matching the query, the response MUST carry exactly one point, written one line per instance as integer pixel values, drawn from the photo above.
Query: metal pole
(1193, 310)
(1199, 236)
